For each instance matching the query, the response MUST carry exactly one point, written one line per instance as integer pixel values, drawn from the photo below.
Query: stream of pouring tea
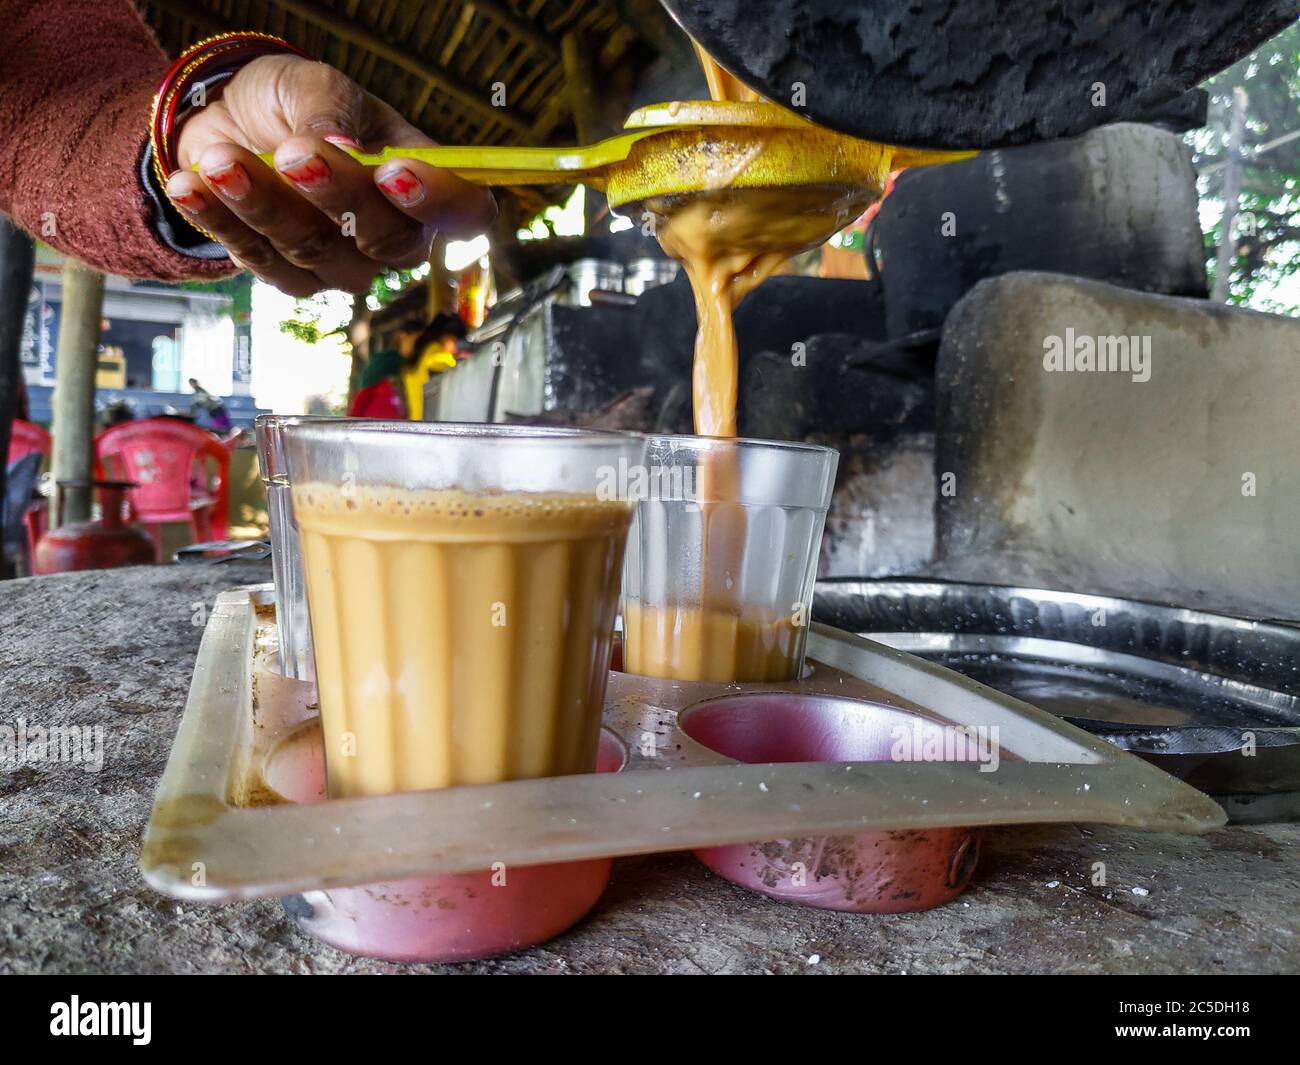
(729, 240)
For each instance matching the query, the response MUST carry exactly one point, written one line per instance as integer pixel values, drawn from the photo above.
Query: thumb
(325, 103)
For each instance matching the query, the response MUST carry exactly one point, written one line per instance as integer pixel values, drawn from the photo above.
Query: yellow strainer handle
(512, 166)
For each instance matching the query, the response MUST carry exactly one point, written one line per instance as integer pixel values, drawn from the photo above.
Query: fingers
(296, 230)
(436, 198)
(342, 188)
(320, 219)
(247, 248)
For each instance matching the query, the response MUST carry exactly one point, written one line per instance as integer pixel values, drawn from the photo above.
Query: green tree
(1266, 261)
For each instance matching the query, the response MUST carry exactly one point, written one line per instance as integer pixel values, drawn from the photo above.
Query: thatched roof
(437, 61)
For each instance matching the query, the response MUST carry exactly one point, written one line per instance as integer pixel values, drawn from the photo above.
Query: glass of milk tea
(722, 558)
(462, 583)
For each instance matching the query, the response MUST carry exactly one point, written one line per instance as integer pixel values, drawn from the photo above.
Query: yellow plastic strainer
(681, 148)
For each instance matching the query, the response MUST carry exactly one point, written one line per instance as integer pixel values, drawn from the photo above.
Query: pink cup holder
(455, 917)
(871, 872)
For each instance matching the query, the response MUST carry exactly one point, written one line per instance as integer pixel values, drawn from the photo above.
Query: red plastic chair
(168, 461)
(24, 438)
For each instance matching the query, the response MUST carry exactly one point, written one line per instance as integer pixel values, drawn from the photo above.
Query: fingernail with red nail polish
(402, 186)
(344, 142)
(311, 172)
(230, 180)
(191, 201)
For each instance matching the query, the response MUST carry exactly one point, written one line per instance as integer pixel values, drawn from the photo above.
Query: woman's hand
(323, 221)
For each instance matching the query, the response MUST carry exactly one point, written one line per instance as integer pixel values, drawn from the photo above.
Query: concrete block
(1178, 480)
(1118, 204)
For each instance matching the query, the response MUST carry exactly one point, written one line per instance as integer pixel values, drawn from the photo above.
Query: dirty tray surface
(219, 830)
(1169, 683)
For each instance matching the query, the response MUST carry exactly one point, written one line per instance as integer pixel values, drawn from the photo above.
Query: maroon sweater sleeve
(77, 79)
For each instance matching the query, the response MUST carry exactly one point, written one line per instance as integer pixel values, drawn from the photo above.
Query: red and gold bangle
(224, 52)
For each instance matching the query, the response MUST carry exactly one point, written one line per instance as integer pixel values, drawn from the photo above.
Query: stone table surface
(116, 649)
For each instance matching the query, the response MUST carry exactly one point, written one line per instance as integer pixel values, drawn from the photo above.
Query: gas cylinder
(103, 544)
